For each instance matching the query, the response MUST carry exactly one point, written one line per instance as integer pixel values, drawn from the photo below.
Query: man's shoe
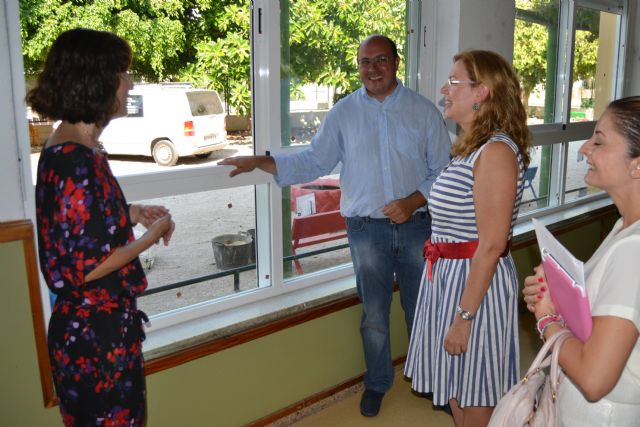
(370, 403)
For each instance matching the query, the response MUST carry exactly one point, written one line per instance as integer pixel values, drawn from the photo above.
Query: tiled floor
(400, 407)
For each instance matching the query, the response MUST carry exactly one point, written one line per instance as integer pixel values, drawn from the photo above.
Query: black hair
(392, 45)
(81, 77)
(626, 117)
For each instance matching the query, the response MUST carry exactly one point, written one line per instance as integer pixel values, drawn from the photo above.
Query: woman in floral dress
(88, 253)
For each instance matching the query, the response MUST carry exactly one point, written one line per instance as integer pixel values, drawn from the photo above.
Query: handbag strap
(554, 375)
(542, 361)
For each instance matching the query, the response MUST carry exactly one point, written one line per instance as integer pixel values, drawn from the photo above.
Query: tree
(586, 47)
(536, 21)
(223, 63)
(323, 39)
(207, 41)
(325, 36)
(155, 29)
(530, 56)
(162, 33)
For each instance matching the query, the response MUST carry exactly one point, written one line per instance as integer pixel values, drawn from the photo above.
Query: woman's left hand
(536, 293)
(457, 338)
(147, 214)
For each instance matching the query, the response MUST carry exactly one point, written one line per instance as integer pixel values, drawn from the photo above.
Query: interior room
(273, 339)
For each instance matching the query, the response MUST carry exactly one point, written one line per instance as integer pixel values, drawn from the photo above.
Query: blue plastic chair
(529, 174)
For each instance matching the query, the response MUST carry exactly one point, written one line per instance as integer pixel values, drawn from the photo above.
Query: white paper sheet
(572, 266)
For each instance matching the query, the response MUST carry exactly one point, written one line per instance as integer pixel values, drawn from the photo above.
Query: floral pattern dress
(95, 332)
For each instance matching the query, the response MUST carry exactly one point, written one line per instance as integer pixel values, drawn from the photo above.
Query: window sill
(200, 337)
(560, 220)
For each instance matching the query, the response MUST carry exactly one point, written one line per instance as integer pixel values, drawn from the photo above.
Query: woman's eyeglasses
(453, 82)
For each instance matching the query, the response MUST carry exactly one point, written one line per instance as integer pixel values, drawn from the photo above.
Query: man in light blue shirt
(392, 143)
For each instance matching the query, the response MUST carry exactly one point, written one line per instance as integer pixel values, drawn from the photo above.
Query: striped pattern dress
(490, 366)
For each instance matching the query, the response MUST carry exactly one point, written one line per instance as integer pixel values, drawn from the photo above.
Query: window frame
(562, 132)
(265, 71)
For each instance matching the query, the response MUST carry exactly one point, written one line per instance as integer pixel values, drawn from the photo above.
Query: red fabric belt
(453, 250)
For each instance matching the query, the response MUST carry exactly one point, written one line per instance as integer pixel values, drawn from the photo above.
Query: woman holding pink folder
(603, 373)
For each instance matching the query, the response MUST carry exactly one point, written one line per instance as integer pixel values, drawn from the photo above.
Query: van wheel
(164, 153)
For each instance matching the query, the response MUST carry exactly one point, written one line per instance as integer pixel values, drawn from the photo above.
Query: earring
(476, 106)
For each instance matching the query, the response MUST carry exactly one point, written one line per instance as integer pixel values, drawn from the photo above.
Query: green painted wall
(21, 403)
(229, 388)
(248, 382)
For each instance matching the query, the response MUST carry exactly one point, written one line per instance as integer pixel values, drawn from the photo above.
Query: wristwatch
(464, 314)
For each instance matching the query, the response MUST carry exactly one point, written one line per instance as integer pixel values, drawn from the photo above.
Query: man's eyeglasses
(453, 82)
(378, 60)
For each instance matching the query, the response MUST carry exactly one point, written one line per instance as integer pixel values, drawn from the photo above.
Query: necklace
(99, 148)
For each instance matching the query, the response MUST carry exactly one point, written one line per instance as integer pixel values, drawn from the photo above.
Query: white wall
(15, 202)
(488, 24)
(451, 26)
(632, 69)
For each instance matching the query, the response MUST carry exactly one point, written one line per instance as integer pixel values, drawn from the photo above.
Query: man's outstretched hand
(248, 163)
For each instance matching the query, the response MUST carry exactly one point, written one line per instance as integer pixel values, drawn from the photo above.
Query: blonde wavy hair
(502, 111)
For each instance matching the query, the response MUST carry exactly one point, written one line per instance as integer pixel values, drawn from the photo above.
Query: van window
(203, 103)
(134, 106)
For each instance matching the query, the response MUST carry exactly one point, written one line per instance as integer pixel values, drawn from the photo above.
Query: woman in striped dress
(464, 341)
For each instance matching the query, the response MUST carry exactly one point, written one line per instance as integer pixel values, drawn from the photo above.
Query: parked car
(167, 121)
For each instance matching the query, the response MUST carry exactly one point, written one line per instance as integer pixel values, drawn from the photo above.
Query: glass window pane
(318, 231)
(213, 236)
(191, 100)
(203, 103)
(319, 51)
(535, 56)
(535, 185)
(319, 43)
(594, 63)
(575, 186)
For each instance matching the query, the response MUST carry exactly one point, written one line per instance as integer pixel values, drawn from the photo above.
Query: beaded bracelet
(543, 323)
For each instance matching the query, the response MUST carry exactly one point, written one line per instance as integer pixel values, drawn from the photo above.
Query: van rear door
(208, 117)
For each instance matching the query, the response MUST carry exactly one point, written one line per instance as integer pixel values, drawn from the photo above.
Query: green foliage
(223, 64)
(586, 43)
(153, 28)
(530, 54)
(587, 102)
(206, 42)
(534, 19)
(325, 35)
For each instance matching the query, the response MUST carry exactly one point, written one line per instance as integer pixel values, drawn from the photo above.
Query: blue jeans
(380, 248)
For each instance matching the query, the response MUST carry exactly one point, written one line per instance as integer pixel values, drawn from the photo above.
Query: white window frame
(265, 70)
(272, 284)
(563, 131)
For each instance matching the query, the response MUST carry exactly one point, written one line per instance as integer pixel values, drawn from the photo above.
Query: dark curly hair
(80, 78)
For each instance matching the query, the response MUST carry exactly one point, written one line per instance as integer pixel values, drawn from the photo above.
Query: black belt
(387, 220)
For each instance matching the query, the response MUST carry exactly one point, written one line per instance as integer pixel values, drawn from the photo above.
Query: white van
(167, 121)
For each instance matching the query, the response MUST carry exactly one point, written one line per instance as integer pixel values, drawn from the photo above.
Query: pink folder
(568, 296)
